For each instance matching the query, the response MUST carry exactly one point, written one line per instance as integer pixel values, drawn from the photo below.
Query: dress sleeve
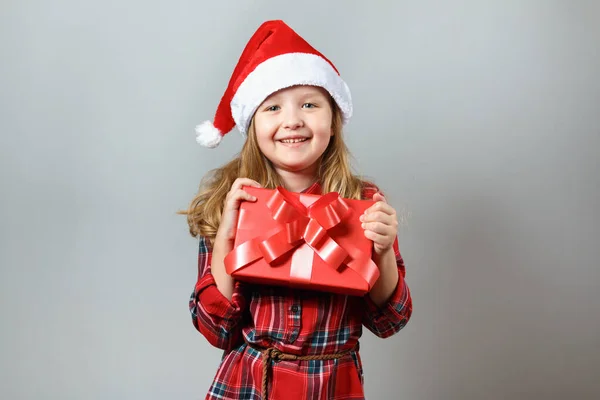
(391, 317)
(213, 315)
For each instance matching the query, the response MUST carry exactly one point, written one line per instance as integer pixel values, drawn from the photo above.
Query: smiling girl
(282, 343)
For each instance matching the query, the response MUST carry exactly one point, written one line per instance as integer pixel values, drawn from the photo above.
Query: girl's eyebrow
(311, 95)
(271, 101)
(317, 92)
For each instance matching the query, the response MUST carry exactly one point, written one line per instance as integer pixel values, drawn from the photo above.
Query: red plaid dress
(293, 321)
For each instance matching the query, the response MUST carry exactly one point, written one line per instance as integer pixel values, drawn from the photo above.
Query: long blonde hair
(334, 175)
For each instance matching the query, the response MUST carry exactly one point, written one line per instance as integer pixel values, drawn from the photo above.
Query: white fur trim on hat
(284, 71)
(207, 135)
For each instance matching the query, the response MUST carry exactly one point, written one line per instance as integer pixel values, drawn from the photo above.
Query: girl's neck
(297, 181)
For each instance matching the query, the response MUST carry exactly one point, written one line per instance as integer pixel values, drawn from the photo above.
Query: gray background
(479, 119)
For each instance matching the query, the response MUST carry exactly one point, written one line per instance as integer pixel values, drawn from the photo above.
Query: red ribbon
(299, 225)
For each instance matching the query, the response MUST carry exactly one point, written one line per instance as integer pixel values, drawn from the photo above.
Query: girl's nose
(292, 120)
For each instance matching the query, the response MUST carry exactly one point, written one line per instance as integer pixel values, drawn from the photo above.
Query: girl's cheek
(323, 124)
(266, 128)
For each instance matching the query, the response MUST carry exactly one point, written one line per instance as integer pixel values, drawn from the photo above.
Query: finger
(379, 216)
(241, 194)
(239, 182)
(379, 197)
(377, 238)
(380, 228)
(381, 206)
(237, 197)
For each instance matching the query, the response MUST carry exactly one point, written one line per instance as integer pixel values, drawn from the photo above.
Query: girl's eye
(309, 105)
(272, 108)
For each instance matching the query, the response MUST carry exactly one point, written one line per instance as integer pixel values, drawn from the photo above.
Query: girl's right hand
(229, 217)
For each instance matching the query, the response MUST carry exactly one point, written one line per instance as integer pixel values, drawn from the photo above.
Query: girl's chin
(293, 167)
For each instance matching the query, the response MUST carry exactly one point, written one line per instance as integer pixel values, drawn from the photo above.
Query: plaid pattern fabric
(294, 321)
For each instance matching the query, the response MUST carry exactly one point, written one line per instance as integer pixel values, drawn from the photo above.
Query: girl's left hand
(380, 224)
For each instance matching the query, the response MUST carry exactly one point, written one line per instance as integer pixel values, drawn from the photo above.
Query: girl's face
(293, 128)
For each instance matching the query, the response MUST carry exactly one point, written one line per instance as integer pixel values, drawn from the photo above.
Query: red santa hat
(275, 58)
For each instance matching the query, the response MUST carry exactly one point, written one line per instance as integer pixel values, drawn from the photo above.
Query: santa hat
(275, 58)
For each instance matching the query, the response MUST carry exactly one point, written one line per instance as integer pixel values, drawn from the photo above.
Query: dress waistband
(272, 354)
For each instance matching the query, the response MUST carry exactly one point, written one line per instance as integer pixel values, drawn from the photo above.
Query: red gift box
(304, 241)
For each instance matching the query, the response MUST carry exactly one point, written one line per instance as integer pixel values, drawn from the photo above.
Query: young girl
(282, 343)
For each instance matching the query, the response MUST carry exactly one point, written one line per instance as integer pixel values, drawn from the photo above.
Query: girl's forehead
(299, 91)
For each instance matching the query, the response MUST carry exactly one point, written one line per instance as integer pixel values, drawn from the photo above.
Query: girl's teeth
(293, 140)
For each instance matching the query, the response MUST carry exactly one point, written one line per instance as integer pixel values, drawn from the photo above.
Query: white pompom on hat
(275, 58)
